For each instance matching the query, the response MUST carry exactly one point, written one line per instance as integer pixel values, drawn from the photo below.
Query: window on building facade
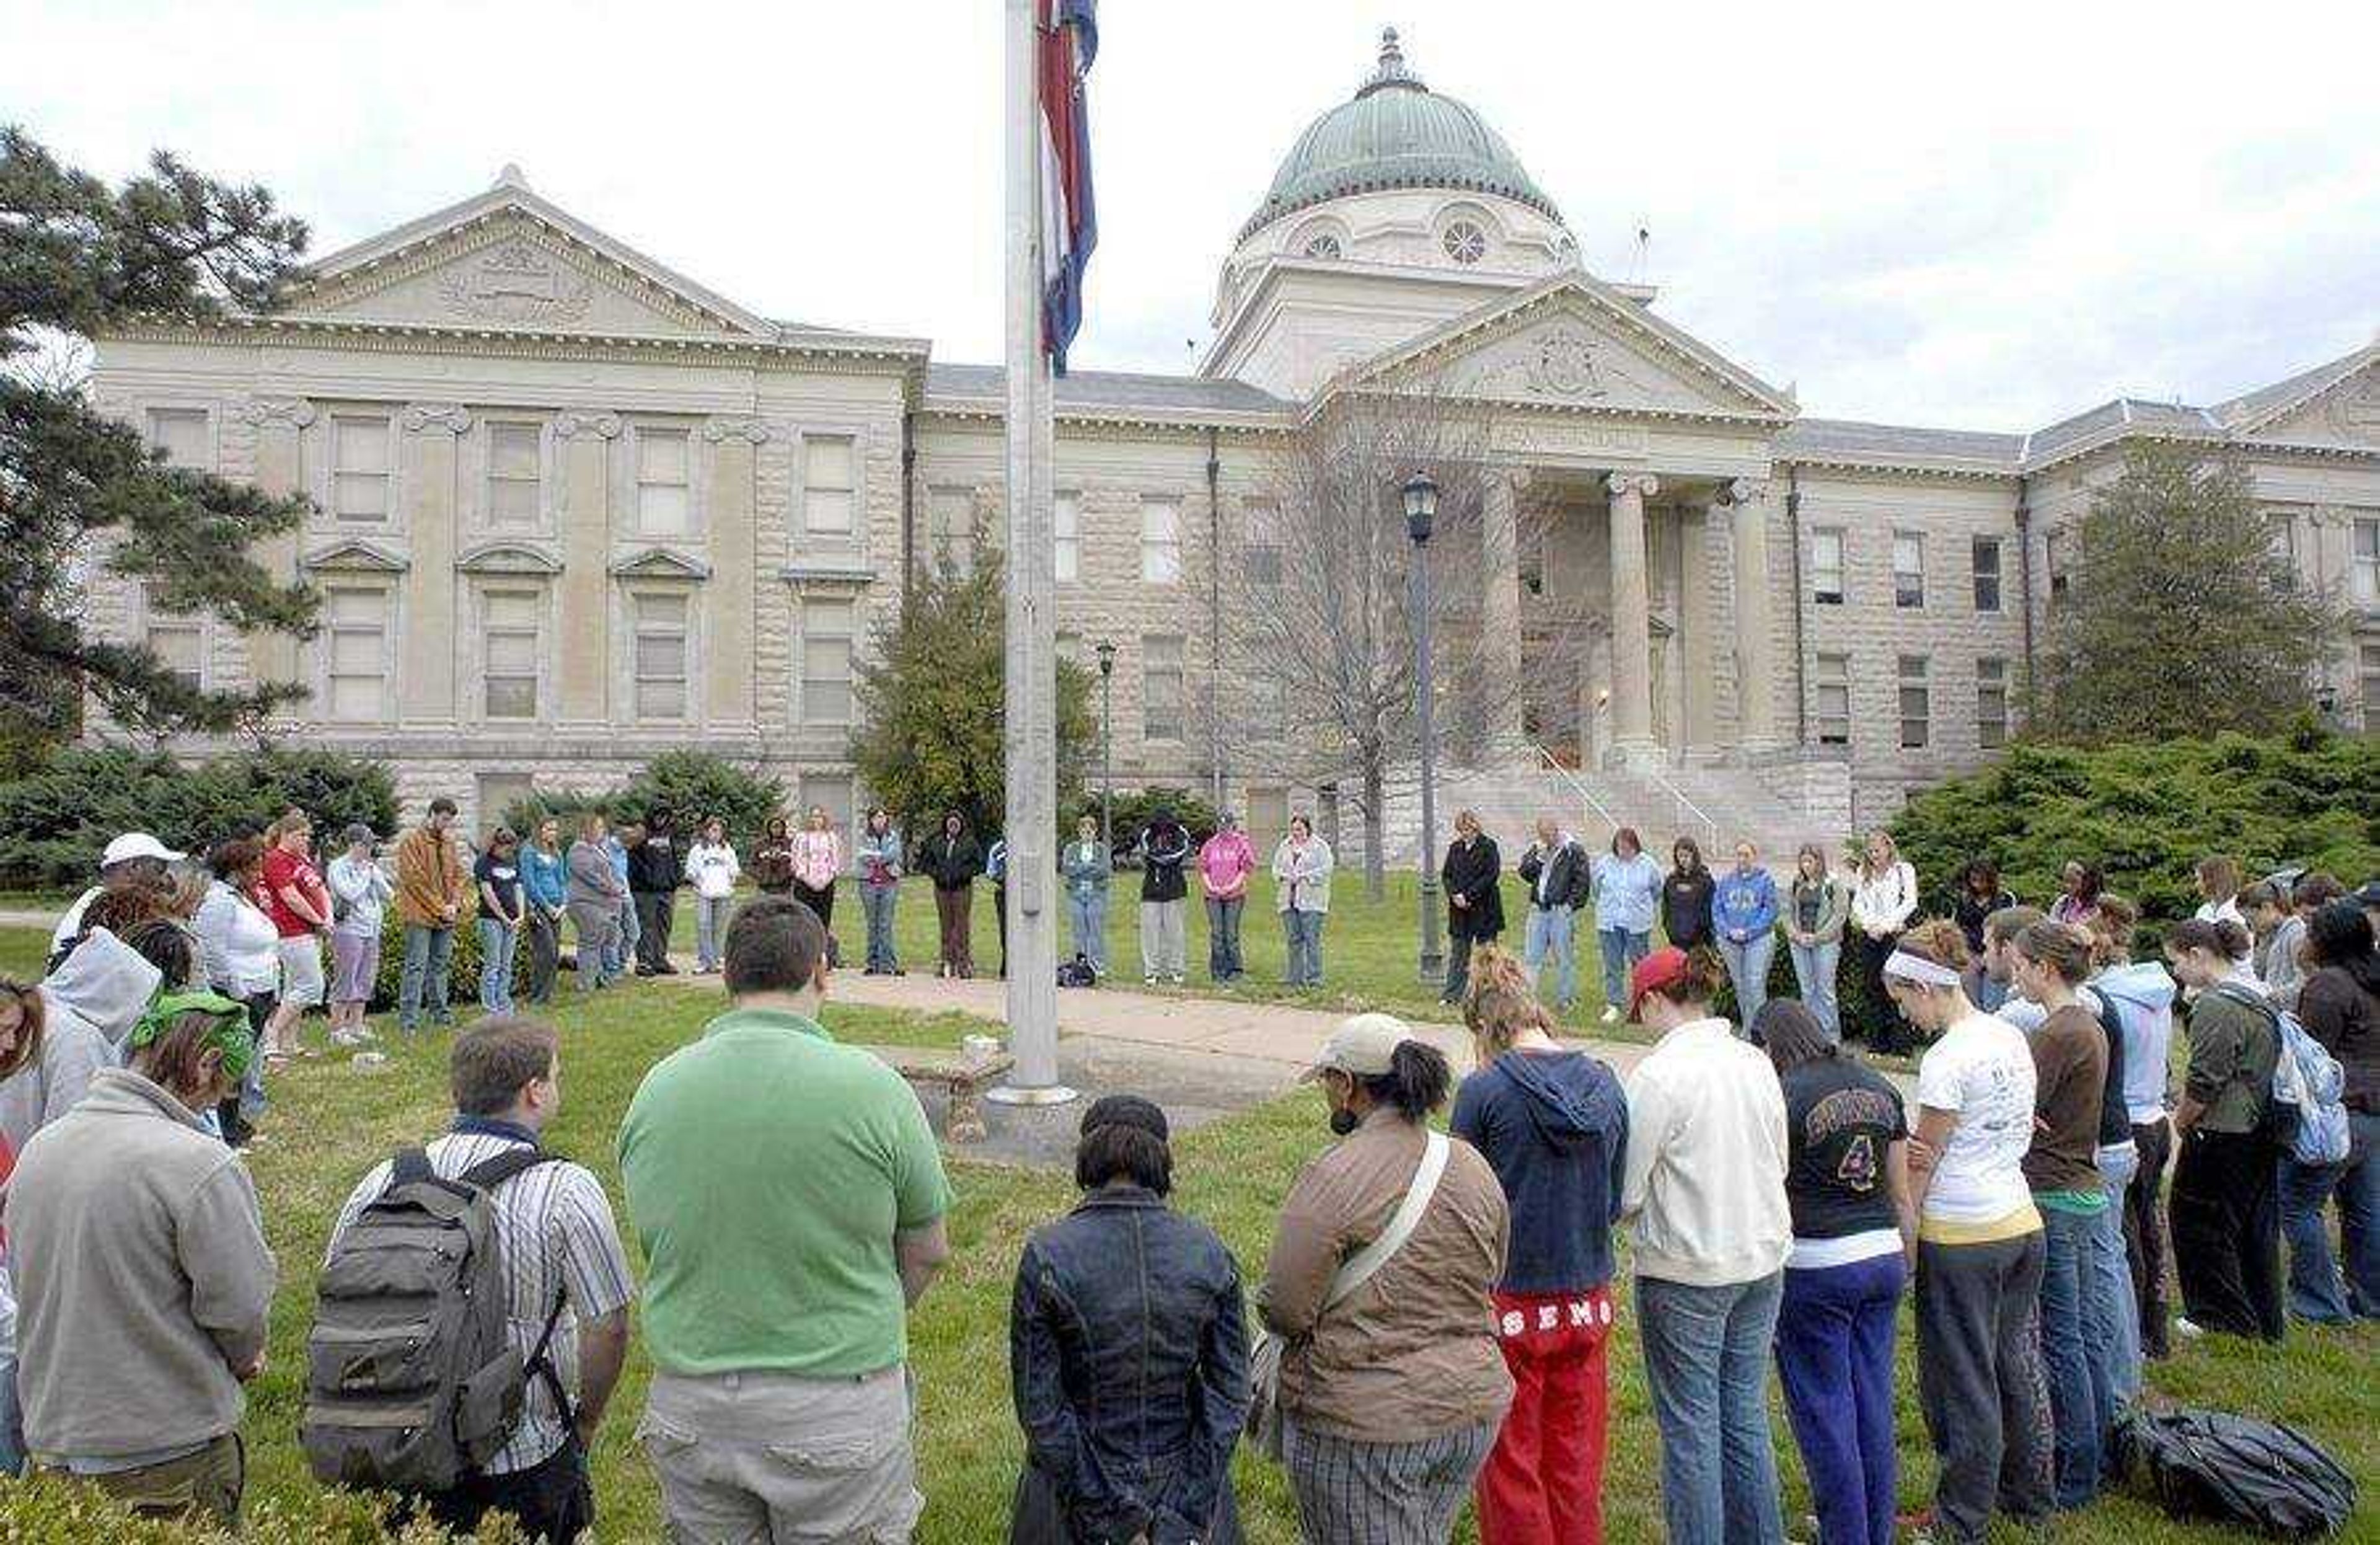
(2371, 662)
(1066, 535)
(511, 624)
(1530, 556)
(830, 792)
(1826, 567)
(2367, 563)
(664, 472)
(1908, 570)
(355, 621)
(181, 433)
(828, 628)
(2054, 548)
(1834, 691)
(1991, 703)
(1162, 691)
(660, 658)
(177, 639)
(1161, 541)
(1264, 542)
(515, 472)
(830, 484)
(1465, 242)
(359, 466)
(1987, 574)
(1916, 704)
(2284, 534)
(950, 528)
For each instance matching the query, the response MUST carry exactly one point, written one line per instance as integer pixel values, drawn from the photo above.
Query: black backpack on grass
(412, 1382)
(2214, 1465)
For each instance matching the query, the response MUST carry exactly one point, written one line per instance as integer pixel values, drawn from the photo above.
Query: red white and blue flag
(1069, 37)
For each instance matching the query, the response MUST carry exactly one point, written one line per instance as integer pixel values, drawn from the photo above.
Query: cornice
(867, 356)
(1114, 423)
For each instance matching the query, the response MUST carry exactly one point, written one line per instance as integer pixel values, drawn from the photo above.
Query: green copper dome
(1396, 133)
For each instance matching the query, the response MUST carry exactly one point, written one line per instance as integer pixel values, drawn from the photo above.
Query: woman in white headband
(1979, 1250)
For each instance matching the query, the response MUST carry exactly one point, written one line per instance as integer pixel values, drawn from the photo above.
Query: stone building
(574, 508)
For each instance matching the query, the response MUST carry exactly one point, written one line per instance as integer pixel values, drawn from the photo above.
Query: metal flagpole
(1030, 729)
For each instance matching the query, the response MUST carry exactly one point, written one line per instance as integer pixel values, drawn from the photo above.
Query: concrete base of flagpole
(1048, 1094)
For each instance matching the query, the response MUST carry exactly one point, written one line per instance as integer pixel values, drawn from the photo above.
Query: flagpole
(1030, 729)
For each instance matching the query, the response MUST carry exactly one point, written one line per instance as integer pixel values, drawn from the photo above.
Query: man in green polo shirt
(790, 1199)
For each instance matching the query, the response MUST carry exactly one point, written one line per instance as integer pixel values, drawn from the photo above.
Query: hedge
(1130, 813)
(48, 1508)
(692, 786)
(463, 973)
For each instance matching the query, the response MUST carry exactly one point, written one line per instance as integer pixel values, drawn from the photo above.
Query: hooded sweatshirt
(1554, 1127)
(91, 1001)
(2141, 996)
(1744, 906)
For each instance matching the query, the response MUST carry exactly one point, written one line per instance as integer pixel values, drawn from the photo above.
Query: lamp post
(1106, 652)
(1421, 513)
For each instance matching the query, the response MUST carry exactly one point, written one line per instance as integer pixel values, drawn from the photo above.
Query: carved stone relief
(519, 284)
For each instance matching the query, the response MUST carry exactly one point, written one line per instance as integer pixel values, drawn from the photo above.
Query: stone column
(279, 424)
(1632, 621)
(1503, 729)
(426, 651)
(1695, 630)
(729, 595)
(582, 651)
(1755, 654)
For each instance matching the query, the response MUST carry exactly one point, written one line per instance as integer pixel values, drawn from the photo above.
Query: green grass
(329, 1124)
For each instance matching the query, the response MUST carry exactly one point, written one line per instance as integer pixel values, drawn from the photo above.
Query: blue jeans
(1622, 950)
(1304, 932)
(1747, 967)
(2113, 1318)
(1706, 1365)
(1834, 1358)
(878, 903)
(710, 931)
(2081, 1371)
(1223, 961)
(2318, 1289)
(623, 947)
(496, 966)
(1553, 933)
(1813, 967)
(1088, 916)
(428, 955)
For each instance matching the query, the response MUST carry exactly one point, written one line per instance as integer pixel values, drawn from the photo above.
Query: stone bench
(962, 1076)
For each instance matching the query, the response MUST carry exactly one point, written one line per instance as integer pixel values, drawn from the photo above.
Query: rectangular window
(1264, 542)
(515, 472)
(177, 640)
(1908, 570)
(1987, 574)
(661, 654)
(2370, 660)
(2053, 552)
(1066, 529)
(360, 466)
(1991, 703)
(1916, 704)
(665, 465)
(1161, 541)
(1826, 567)
(2367, 563)
(950, 528)
(511, 622)
(1834, 684)
(830, 484)
(181, 433)
(356, 623)
(827, 632)
(1162, 689)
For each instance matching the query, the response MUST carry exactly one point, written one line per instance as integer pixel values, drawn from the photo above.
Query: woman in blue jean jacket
(1744, 915)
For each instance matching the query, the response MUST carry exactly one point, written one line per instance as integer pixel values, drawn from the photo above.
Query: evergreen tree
(76, 258)
(2179, 618)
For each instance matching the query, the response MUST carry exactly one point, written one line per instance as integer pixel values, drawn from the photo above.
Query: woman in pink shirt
(817, 860)
(1224, 865)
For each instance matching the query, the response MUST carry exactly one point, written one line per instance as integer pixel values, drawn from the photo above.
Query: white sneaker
(344, 1036)
(1149, 980)
(1611, 1015)
(2187, 1329)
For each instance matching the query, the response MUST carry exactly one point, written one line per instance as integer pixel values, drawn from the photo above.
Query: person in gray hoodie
(142, 1277)
(89, 1003)
(2139, 994)
(593, 893)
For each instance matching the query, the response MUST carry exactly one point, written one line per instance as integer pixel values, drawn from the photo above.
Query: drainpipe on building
(2024, 573)
(1214, 620)
(1793, 535)
(908, 508)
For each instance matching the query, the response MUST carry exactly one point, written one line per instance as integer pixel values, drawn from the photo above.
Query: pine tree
(2180, 619)
(77, 258)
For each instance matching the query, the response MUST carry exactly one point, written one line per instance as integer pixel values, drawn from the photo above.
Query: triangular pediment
(2339, 406)
(510, 260)
(660, 562)
(356, 557)
(1574, 342)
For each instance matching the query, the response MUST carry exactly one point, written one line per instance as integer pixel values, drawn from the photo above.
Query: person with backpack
(2226, 1231)
(2339, 1008)
(551, 1268)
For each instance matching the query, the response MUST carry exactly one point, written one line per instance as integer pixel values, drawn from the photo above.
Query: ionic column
(1756, 655)
(1632, 621)
(280, 422)
(426, 689)
(730, 594)
(582, 661)
(1500, 609)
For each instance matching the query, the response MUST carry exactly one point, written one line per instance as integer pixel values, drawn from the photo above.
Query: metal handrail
(1577, 784)
(1710, 827)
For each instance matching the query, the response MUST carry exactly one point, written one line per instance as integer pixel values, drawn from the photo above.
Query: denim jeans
(622, 947)
(1747, 968)
(1813, 967)
(2113, 1317)
(710, 930)
(428, 956)
(1706, 1365)
(1621, 950)
(2319, 1291)
(878, 902)
(1304, 932)
(1223, 937)
(496, 966)
(2082, 1402)
(1553, 934)
(1835, 1343)
(1088, 916)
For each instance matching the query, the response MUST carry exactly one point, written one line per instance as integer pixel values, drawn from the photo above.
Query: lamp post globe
(1421, 513)
(1421, 506)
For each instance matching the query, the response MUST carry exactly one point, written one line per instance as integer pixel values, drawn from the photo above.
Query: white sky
(1976, 214)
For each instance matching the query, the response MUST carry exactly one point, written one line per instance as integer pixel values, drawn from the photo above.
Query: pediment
(660, 562)
(2348, 413)
(356, 557)
(507, 557)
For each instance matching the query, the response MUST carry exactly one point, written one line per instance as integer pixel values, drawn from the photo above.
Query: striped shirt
(558, 1237)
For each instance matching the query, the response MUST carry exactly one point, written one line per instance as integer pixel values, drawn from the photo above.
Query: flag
(1069, 36)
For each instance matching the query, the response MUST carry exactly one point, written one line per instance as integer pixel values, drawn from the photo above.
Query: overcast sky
(1981, 214)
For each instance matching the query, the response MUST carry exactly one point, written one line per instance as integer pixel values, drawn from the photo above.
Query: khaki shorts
(301, 970)
(198, 1486)
(757, 1456)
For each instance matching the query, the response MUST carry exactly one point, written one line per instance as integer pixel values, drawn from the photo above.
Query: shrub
(692, 786)
(463, 974)
(1860, 1016)
(1131, 810)
(49, 1508)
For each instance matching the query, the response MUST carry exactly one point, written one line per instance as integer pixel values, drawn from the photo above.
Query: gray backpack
(411, 1380)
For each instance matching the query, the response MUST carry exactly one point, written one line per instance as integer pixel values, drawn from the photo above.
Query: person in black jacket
(656, 869)
(1686, 896)
(1475, 902)
(1128, 1354)
(1560, 876)
(1164, 949)
(951, 859)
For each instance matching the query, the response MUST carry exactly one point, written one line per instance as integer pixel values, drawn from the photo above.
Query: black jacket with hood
(952, 862)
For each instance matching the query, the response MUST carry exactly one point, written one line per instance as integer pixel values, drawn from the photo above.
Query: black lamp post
(1421, 515)
(1106, 652)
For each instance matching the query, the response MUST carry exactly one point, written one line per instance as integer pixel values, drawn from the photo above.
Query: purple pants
(354, 960)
